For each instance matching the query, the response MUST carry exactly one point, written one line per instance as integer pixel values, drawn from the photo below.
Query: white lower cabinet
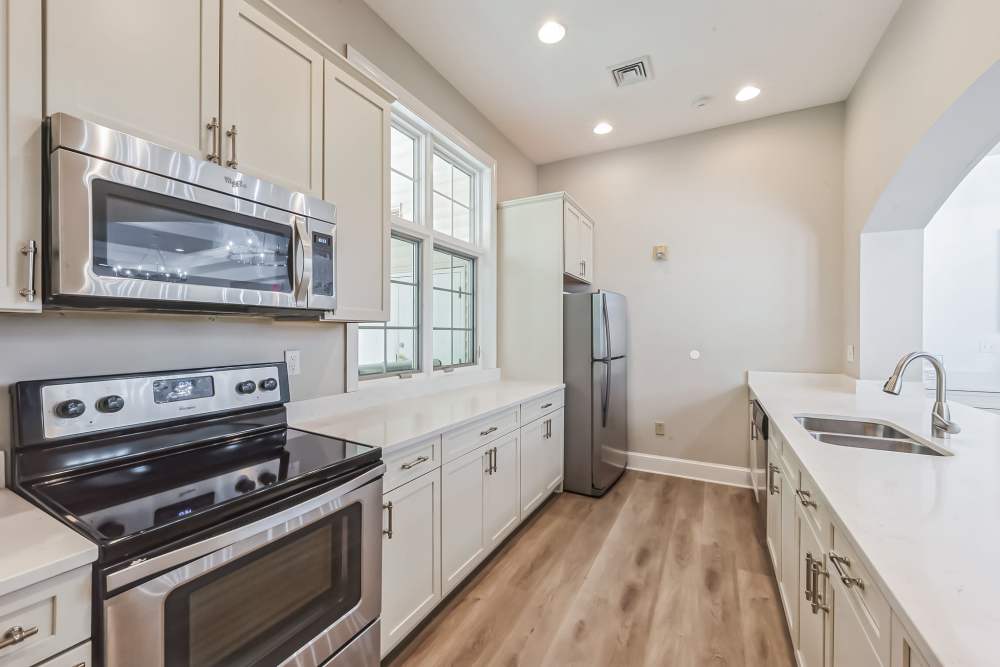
(503, 485)
(772, 488)
(411, 556)
(463, 521)
(851, 646)
(904, 653)
(788, 577)
(541, 459)
(813, 605)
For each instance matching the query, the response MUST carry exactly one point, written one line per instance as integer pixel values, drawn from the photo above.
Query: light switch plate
(660, 428)
(293, 362)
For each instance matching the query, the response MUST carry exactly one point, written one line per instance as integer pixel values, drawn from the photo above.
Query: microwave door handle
(305, 270)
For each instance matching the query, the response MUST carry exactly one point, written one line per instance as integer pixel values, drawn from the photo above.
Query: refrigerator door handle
(605, 393)
(607, 328)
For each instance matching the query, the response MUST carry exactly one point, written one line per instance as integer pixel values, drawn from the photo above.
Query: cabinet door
(272, 94)
(463, 528)
(851, 646)
(503, 488)
(533, 464)
(20, 155)
(772, 494)
(356, 179)
(553, 447)
(812, 621)
(571, 240)
(586, 244)
(411, 556)
(146, 67)
(788, 580)
(904, 652)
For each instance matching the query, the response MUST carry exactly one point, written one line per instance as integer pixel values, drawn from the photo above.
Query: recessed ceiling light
(747, 93)
(551, 32)
(602, 128)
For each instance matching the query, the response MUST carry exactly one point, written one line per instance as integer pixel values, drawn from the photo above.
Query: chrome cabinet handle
(583, 267)
(388, 531)
(548, 429)
(487, 431)
(16, 635)
(809, 562)
(546, 405)
(216, 154)
(804, 498)
(845, 577)
(814, 568)
(414, 463)
(772, 487)
(231, 133)
(30, 250)
(80, 664)
(495, 459)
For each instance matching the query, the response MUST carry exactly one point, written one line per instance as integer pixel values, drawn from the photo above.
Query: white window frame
(435, 134)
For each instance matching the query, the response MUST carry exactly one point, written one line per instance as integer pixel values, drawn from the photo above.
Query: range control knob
(267, 478)
(246, 387)
(71, 408)
(111, 529)
(112, 403)
(245, 485)
(270, 384)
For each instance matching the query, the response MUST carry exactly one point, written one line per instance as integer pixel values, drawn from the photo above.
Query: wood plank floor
(661, 571)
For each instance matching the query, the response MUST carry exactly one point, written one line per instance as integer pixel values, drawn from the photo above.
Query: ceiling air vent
(632, 71)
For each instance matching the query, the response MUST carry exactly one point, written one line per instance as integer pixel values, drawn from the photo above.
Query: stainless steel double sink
(863, 435)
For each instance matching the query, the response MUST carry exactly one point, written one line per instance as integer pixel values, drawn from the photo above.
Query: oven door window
(143, 235)
(262, 607)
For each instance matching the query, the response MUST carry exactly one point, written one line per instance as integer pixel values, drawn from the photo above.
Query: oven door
(291, 589)
(121, 237)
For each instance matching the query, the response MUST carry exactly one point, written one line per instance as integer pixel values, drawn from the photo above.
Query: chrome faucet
(941, 424)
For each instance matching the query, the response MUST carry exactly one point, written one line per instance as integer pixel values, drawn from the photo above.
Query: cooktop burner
(139, 478)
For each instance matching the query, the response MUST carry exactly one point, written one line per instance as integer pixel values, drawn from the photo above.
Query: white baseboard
(716, 473)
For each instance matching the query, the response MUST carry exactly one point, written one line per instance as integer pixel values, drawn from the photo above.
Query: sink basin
(863, 435)
(849, 427)
(884, 444)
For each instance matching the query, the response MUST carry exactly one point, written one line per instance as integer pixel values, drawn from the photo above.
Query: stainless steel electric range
(225, 537)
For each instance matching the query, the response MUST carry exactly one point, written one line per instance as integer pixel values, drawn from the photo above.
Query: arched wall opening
(893, 264)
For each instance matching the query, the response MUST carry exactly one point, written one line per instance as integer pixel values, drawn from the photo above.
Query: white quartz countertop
(395, 424)
(929, 526)
(34, 546)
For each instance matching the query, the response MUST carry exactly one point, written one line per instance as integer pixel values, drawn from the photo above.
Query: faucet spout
(941, 424)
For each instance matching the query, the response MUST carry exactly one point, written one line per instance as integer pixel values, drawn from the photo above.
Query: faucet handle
(942, 425)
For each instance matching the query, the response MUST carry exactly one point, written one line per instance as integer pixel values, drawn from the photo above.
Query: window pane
(401, 349)
(401, 203)
(403, 148)
(461, 307)
(461, 274)
(442, 348)
(442, 309)
(442, 176)
(461, 227)
(442, 214)
(463, 188)
(402, 305)
(442, 270)
(461, 347)
(371, 351)
(404, 260)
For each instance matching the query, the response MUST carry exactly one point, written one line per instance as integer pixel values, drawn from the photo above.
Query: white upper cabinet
(578, 244)
(146, 67)
(20, 155)
(272, 101)
(356, 179)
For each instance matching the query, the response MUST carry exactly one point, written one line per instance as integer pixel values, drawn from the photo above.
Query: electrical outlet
(293, 361)
(660, 428)
(987, 347)
(850, 354)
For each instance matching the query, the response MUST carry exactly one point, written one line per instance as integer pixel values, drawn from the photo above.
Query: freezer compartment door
(610, 325)
(610, 426)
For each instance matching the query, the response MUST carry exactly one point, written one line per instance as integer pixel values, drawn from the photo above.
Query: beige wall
(61, 345)
(342, 22)
(752, 214)
(930, 55)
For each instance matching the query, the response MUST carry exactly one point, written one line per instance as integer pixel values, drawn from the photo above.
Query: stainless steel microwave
(134, 225)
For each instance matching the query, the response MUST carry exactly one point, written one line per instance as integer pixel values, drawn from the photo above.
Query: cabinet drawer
(461, 440)
(415, 461)
(532, 410)
(56, 612)
(78, 656)
(815, 509)
(862, 593)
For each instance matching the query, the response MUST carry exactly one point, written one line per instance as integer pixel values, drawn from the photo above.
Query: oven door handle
(303, 260)
(156, 565)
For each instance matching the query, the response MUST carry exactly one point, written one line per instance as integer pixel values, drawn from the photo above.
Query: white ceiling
(547, 98)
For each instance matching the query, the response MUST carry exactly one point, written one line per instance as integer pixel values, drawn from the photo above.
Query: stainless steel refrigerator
(595, 347)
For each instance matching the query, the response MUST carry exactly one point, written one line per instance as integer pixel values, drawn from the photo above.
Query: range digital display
(183, 508)
(183, 389)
